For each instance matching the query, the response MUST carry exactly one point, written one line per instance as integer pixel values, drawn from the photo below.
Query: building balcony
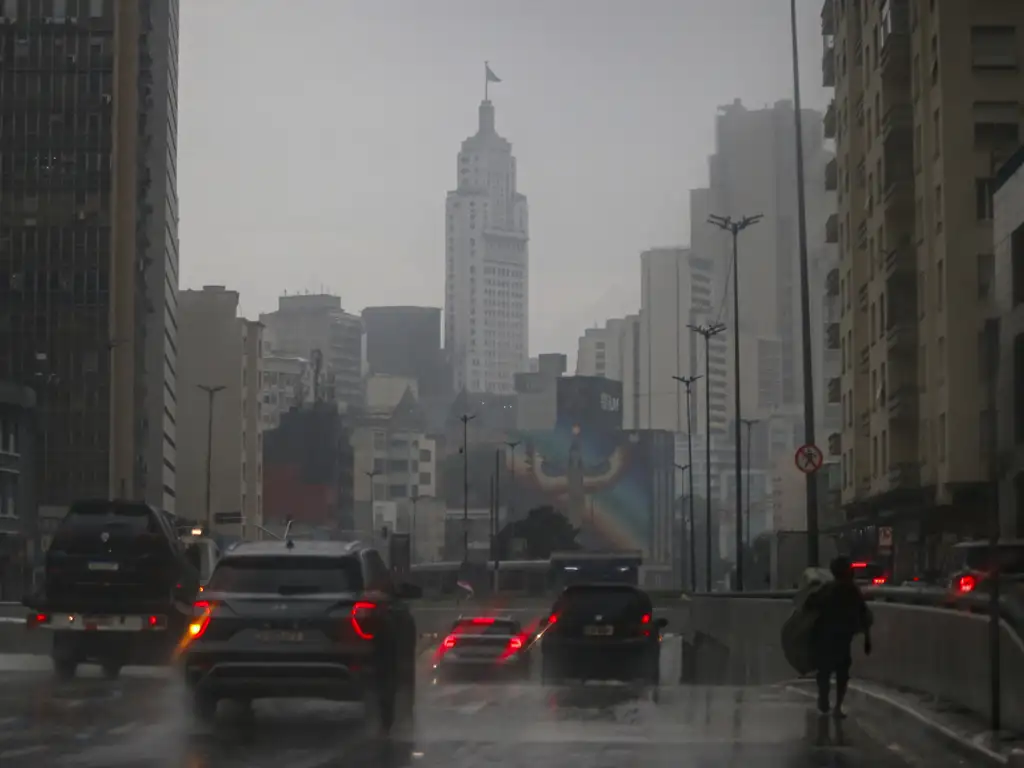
(829, 121)
(835, 444)
(832, 283)
(828, 18)
(898, 123)
(828, 64)
(901, 338)
(832, 336)
(894, 53)
(864, 362)
(904, 475)
(835, 390)
(832, 229)
(862, 297)
(902, 403)
(832, 175)
(900, 262)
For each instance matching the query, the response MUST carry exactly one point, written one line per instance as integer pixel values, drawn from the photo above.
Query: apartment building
(88, 239)
(927, 106)
(219, 411)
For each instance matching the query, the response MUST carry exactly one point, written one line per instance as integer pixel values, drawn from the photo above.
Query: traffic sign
(809, 458)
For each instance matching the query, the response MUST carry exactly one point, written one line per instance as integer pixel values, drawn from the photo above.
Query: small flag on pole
(491, 77)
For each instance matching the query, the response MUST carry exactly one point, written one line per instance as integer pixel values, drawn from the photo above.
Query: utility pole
(412, 529)
(211, 393)
(707, 331)
(372, 473)
(735, 226)
(492, 503)
(749, 424)
(805, 300)
(679, 535)
(465, 419)
(689, 382)
(510, 517)
(497, 513)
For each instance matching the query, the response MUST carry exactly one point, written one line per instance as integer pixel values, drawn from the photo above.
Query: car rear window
(83, 524)
(624, 603)
(486, 626)
(289, 575)
(979, 558)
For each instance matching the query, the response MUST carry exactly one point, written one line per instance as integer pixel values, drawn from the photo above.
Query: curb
(962, 746)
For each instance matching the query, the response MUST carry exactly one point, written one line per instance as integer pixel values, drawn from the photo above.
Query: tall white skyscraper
(486, 311)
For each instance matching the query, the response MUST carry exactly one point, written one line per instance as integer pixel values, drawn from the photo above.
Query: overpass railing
(925, 640)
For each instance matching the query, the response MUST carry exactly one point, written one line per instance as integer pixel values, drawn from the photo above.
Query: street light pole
(510, 517)
(412, 529)
(735, 226)
(678, 535)
(211, 393)
(689, 382)
(749, 423)
(497, 514)
(372, 473)
(805, 300)
(707, 331)
(465, 419)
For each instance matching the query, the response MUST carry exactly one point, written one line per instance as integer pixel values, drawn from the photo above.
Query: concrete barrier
(932, 649)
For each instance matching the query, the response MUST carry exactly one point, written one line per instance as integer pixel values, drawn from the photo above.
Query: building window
(986, 273)
(983, 189)
(994, 47)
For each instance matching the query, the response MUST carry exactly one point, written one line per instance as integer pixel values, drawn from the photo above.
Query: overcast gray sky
(317, 138)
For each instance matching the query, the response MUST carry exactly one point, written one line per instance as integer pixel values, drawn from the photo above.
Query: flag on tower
(491, 77)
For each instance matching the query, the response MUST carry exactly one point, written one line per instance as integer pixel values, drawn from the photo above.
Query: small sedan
(483, 648)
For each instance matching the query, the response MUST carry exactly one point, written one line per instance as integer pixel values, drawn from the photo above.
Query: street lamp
(734, 227)
(805, 300)
(211, 393)
(707, 331)
(689, 382)
(749, 424)
(465, 419)
(510, 517)
(679, 536)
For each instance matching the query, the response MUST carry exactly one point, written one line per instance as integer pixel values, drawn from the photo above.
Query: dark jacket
(842, 612)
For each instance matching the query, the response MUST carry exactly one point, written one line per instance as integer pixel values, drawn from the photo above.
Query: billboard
(615, 486)
(590, 402)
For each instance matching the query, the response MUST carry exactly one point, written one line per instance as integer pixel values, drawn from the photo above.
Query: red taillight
(966, 583)
(448, 643)
(483, 620)
(858, 565)
(201, 605)
(35, 619)
(361, 612)
(156, 622)
(878, 580)
(515, 644)
(645, 619)
(552, 618)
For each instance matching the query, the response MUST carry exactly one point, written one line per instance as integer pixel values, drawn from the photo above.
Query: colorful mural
(612, 485)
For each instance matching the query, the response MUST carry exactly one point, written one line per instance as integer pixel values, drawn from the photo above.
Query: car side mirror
(408, 591)
(661, 623)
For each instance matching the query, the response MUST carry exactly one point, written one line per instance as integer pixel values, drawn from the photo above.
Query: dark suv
(601, 632)
(303, 619)
(118, 587)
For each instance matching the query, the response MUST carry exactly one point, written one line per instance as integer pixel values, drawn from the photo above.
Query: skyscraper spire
(486, 118)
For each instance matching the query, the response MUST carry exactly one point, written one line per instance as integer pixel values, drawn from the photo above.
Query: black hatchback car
(601, 632)
(303, 619)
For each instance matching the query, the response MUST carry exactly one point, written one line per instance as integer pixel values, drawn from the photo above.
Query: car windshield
(288, 575)
(614, 604)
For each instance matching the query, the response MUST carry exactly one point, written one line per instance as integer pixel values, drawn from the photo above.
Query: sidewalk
(960, 731)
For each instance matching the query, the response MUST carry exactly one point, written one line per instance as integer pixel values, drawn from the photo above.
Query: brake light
(966, 583)
(156, 622)
(361, 612)
(552, 618)
(878, 580)
(197, 627)
(202, 605)
(35, 619)
(448, 643)
(645, 619)
(483, 620)
(858, 565)
(515, 644)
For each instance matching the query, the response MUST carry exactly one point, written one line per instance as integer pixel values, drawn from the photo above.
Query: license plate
(280, 636)
(598, 630)
(103, 566)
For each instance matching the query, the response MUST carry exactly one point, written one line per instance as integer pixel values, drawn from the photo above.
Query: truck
(119, 586)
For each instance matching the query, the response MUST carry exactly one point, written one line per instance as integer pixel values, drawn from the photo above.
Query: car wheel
(111, 670)
(65, 669)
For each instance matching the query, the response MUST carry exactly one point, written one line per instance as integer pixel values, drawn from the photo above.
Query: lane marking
(10, 754)
(12, 620)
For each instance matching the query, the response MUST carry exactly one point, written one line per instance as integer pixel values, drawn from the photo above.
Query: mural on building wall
(603, 482)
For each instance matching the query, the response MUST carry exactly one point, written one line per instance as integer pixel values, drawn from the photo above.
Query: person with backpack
(842, 614)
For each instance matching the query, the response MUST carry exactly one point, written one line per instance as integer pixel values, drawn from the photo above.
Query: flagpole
(487, 80)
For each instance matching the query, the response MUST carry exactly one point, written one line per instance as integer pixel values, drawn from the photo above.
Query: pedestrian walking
(842, 614)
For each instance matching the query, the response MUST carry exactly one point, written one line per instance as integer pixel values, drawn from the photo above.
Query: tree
(544, 530)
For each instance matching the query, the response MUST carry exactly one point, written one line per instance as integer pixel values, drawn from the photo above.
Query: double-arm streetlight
(708, 331)
(689, 382)
(734, 227)
(749, 424)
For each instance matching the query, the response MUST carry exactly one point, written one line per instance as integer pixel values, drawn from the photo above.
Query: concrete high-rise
(927, 105)
(486, 265)
(88, 239)
(406, 341)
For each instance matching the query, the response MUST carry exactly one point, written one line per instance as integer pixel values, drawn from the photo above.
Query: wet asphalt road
(140, 721)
